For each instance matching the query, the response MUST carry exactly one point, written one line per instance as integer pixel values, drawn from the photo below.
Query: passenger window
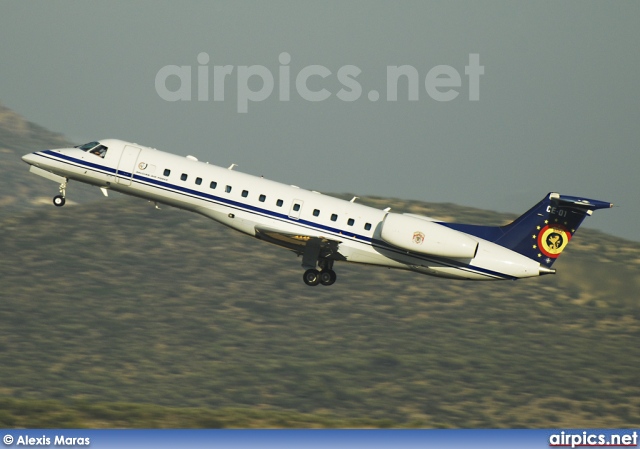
(213, 184)
(296, 207)
(183, 177)
(334, 217)
(245, 193)
(167, 172)
(262, 198)
(279, 203)
(316, 212)
(198, 181)
(350, 221)
(367, 226)
(227, 189)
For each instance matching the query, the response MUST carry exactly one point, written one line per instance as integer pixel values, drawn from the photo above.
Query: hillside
(117, 314)
(20, 190)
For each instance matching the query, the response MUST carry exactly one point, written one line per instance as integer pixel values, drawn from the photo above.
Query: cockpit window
(88, 146)
(100, 150)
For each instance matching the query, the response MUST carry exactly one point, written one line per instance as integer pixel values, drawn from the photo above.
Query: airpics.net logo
(255, 83)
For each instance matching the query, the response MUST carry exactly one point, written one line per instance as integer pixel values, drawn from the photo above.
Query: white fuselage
(246, 203)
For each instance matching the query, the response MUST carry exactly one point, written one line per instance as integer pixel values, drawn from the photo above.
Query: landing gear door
(127, 164)
(296, 207)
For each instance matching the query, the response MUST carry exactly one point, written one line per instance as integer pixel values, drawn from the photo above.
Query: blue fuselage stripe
(376, 243)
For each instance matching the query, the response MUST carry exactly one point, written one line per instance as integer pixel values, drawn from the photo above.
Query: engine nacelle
(426, 237)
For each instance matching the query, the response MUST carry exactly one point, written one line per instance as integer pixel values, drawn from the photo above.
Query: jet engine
(419, 235)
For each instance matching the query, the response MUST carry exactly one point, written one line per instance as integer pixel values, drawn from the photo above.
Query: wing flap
(299, 242)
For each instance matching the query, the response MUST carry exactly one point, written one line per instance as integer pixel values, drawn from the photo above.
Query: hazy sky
(558, 106)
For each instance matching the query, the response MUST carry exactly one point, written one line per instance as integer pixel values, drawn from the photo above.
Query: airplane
(320, 228)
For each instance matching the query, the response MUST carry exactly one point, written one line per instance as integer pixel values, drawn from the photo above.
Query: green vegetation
(114, 314)
(54, 414)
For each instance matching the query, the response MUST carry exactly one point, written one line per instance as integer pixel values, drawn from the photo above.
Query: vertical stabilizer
(544, 231)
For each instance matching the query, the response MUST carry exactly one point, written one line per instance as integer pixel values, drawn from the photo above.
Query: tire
(328, 277)
(59, 201)
(311, 277)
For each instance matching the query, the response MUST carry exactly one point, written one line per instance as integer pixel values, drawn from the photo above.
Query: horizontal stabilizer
(579, 203)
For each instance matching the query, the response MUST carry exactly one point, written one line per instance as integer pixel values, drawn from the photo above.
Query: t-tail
(544, 231)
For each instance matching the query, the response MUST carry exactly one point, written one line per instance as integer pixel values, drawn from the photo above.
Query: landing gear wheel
(59, 201)
(311, 277)
(327, 277)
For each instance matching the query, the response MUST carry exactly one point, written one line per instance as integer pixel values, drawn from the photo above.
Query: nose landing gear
(59, 200)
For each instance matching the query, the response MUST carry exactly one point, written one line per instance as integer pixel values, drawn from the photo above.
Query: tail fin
(544, 231)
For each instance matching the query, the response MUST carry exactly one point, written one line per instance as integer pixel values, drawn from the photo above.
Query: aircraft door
(296, 207)
(127, 164)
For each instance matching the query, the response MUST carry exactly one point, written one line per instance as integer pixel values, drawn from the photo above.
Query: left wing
(310, 247)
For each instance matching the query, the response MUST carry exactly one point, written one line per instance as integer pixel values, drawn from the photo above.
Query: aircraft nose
(29, 158)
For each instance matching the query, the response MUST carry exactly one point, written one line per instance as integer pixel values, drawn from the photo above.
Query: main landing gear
(59, 200)
(326, 276)
(314, 277)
